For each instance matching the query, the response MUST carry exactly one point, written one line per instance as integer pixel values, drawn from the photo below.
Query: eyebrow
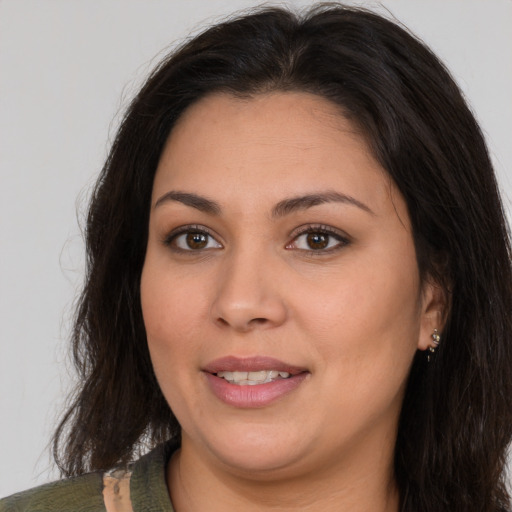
(281, 209)
(198, 202)
(293, 204)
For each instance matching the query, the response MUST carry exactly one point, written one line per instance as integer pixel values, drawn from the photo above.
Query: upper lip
(250, 364)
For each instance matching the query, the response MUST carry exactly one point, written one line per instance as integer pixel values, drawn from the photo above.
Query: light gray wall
(66, 71)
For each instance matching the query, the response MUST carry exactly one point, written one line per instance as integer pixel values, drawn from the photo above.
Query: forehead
(267, 146)
(297, 119)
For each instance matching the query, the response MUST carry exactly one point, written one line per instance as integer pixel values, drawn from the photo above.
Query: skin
(353, 314)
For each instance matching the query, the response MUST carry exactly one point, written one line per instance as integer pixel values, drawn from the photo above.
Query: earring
(436, 339)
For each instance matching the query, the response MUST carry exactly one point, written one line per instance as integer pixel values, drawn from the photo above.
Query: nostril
(258, 320)
(241, 325)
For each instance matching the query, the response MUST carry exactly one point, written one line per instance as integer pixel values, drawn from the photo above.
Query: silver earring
(436, 339)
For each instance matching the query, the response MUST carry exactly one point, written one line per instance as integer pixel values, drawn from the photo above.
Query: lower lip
(258, 395)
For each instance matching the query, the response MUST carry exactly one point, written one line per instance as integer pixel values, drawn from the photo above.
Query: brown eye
(192, 241)
(196, 240)
(317, 241)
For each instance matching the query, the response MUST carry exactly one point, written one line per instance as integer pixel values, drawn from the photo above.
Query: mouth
(252, 378)
(254, 381)
(247, 371)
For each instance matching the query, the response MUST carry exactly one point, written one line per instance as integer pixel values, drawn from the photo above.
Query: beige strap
(116, 491)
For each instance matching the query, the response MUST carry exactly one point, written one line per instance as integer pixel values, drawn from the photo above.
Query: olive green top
(148, 490)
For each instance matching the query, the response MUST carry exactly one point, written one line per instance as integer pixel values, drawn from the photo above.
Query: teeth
(253, 378)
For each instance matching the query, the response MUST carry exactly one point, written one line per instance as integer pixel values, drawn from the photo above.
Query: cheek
(369, 312)
(164, 317)
(175, 311)
(171, 304)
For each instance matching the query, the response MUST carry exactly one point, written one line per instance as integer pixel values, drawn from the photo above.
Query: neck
(197, 484)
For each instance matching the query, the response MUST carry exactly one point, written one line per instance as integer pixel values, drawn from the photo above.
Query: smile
(252, 382)
(253, 378)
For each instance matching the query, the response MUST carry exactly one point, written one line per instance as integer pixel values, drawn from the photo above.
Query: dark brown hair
(456, 420)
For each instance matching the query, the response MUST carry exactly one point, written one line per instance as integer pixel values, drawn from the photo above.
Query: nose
(248, 295)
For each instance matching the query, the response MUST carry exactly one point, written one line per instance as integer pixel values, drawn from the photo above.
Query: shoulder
(79, 494)
(142, 487)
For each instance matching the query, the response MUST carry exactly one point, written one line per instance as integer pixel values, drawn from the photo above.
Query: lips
(256, 395)
(251, 364)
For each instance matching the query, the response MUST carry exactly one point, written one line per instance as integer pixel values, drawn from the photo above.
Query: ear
(435, 307)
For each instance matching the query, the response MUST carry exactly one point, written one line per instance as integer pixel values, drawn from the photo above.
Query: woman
(298, 286)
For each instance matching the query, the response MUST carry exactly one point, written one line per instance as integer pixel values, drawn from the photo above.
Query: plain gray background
(67, 69)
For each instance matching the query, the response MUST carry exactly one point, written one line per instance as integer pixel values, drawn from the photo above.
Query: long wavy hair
(456, 419)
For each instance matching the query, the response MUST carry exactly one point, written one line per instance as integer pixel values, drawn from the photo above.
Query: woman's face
(280, 291)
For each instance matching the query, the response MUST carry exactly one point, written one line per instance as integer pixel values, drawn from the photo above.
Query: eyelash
(170, 239)
(320, 229)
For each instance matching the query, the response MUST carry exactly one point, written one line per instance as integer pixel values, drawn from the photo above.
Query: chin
(257, 452)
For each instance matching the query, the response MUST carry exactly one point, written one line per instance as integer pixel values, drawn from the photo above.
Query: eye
(192, 239)
(318, 239)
